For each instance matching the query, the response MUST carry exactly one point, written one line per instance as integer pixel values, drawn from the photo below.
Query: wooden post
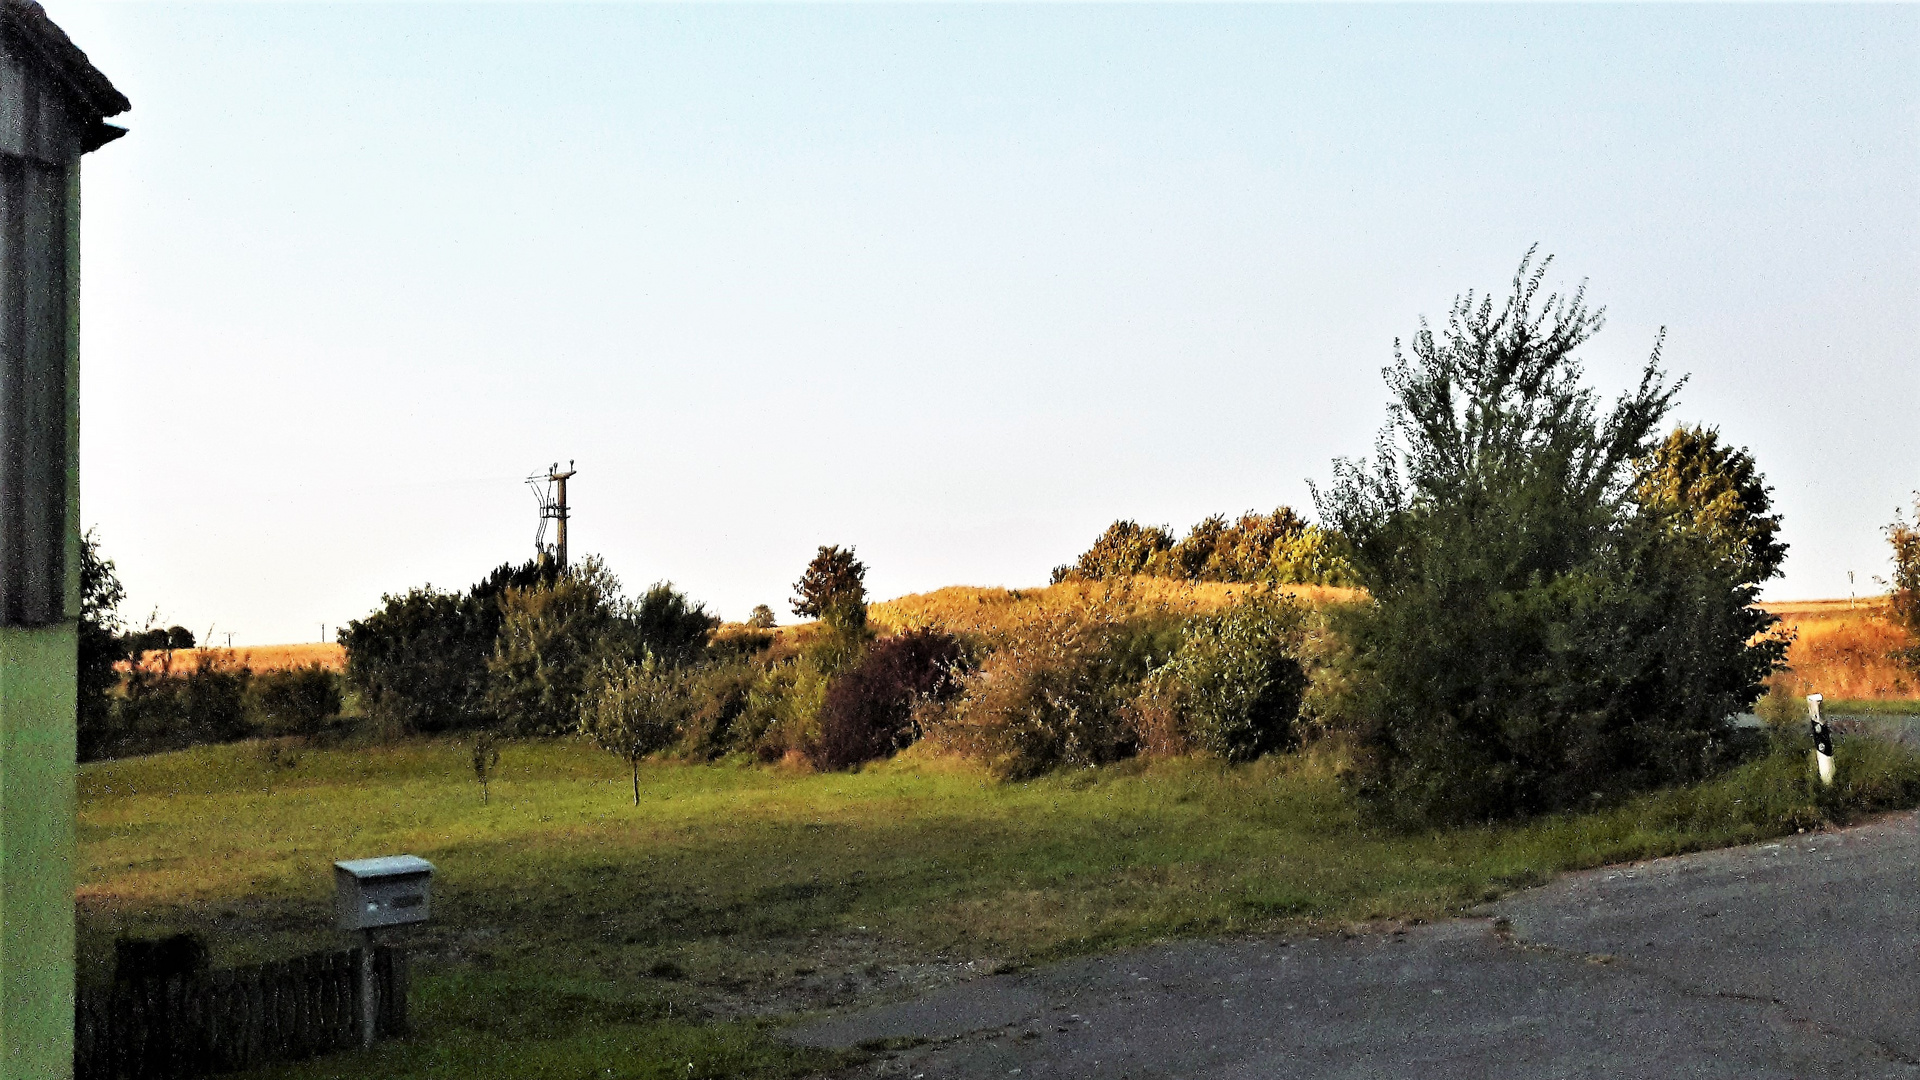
(369, 992)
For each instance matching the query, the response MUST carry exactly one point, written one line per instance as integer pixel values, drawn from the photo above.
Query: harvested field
(255, 657)
(960, 607)
(1842, 649)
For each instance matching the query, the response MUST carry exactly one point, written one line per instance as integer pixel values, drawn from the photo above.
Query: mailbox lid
(384, 866)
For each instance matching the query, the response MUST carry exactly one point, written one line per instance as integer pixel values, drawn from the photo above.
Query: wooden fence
(239, 1018)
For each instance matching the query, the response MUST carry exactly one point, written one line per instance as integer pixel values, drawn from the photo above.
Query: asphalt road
(1797, 959)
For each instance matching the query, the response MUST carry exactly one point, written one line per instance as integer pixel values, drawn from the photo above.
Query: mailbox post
(370, 894)
(52, 104)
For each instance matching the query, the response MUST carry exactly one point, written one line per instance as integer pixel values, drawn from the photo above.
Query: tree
(552, 637)
(671, 626)
(633, 710)
(420, 661)
(1534, 637)
(1124, 550)
(1277, 547)
(1905, 539)
(486, 758)
(1716, 493)
(99, 644)
(761, 618)
(1236, 681)
(834, 590)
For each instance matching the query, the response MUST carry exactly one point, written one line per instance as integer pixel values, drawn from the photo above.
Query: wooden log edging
(211, 1022)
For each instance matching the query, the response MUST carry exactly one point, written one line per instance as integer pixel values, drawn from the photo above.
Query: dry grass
(1841, 649)
(255, 657)
(964, 607)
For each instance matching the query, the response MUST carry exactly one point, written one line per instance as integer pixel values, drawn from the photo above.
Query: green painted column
(53, 103)
(37, 668)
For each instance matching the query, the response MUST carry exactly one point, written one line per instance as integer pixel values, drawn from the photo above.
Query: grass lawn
(576, 934)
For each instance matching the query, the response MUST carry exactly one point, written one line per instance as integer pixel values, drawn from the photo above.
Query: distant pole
(560, 512)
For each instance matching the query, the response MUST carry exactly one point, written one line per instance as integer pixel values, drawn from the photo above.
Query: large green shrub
(1236, 682)
(303, 702)
(552, 637)
(419, 663)
(1536, 638)
(164, 709)
(1051, 689)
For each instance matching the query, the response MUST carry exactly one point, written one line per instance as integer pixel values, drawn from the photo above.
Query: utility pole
(550, 491)
(560, 511)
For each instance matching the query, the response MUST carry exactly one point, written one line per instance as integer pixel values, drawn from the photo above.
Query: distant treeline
(1280, 548)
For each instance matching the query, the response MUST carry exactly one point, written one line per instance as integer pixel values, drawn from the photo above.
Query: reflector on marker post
(1822, 739)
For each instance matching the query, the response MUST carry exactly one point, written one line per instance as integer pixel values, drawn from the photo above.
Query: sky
(956, 286)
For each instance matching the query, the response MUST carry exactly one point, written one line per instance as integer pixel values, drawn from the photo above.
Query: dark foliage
(761, 617)
(303, 702)
(419, 663)
(99, 646)
(156, 639)
(717, 698)
(834, 590)
(1536, 639)
(670, 626)
(868, 708)
(166, 709)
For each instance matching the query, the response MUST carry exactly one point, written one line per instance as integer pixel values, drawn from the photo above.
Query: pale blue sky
(955, 285)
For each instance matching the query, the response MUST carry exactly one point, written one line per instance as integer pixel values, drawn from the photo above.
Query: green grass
(1871, 707)
(574, 933)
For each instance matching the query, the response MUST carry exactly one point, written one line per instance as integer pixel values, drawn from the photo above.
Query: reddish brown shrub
(868, 709)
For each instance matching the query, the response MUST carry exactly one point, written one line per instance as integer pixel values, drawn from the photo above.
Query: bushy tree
(669, 625)
(761, 617)
(1236, 682)
(301, 701)
(1124, 550)
(1905, 538)
(551, 639)
(834, 590)
(99, 645)
(1535, 636)
(868, 708)
(1717, 494)
(419, 663)
(634, 709)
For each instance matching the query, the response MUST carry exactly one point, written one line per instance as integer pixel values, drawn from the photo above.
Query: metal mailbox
(389, 891)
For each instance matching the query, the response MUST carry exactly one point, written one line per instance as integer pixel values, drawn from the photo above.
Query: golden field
(1841, 649)
(962, 607)
(326, 654)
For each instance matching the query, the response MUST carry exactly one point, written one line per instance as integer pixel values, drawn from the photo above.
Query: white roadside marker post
(1822, 739)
